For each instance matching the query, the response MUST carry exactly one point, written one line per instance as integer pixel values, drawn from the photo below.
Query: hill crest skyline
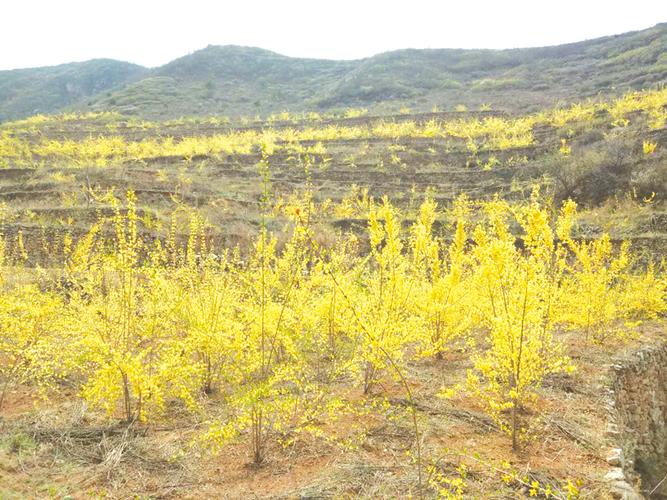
(236, 80)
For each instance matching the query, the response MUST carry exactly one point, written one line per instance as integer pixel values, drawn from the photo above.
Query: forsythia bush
(518, 291)
(253, 343)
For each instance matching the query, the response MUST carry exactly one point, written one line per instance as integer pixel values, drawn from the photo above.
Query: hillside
(348, 303)
(235, 81)
(26, 92)
(369, 396)
(592, 153)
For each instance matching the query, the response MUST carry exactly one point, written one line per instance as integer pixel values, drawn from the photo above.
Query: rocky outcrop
(638, 425)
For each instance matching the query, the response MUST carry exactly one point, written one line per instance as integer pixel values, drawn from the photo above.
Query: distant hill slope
(26, 92)
(234, 80)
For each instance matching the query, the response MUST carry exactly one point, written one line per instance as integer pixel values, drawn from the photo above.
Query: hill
(25, 92)
(607, 156)
(304, 305)
(428, 427)
(233, 81)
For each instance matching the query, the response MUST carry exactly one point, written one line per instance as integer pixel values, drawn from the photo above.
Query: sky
(151, 33)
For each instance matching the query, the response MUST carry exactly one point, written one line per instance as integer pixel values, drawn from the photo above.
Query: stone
(615, 457)
(615, 474)
(612, 429)
(618, 486)
(623, 491)
(637, 423)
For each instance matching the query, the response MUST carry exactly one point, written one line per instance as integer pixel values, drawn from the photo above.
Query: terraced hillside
(609, 156)
(181, 297)
(152, 346)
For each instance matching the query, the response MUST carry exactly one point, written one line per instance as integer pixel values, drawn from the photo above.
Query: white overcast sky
(151, 33)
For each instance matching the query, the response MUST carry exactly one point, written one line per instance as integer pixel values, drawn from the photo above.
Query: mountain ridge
(235, 80)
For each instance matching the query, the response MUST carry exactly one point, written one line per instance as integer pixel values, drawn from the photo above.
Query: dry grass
(61, 448)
